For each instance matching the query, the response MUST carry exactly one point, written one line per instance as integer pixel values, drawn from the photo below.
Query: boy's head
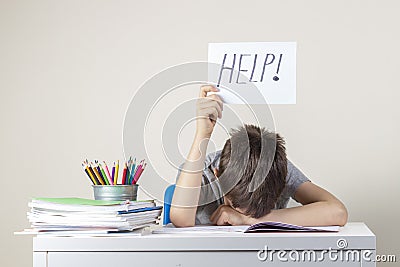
(253, 156)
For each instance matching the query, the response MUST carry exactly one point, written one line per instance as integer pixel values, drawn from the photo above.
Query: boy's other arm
(320, 208)
(187, 190)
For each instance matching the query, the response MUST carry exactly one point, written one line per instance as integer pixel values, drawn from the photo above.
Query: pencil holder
(115, 192)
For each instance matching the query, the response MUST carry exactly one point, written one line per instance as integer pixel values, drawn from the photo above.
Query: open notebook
(255, 228)
(278, 226)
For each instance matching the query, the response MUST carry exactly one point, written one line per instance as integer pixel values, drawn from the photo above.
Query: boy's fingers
(209, 100)
(219, 111)
(213, 108)
(205, 89)
(216, 112)
(222, 220)
(218, 100)
(213, 114)
(209, 108)
(215, 213)
(210, 113)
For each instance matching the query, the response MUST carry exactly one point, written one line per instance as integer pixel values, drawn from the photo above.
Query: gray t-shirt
(211, 193)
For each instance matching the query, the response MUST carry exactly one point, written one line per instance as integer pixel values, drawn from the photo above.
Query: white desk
(223, 249)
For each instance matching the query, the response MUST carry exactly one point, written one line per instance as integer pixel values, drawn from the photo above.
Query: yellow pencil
(116, 172)
(98, 175)
(89, 174)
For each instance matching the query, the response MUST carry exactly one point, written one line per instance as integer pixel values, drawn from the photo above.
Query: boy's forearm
(323, 213)
(187, 190)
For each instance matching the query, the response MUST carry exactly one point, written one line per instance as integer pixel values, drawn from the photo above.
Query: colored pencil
(98, 174)
(96, 162)
(97, 182)
(139, 174)
(108, 173)
(127, 175)
(104, 175)
(137, 166)
(132, 172)
(88, 174)
(116, 172)
(129, 161)
(124, 175)
(113, 174)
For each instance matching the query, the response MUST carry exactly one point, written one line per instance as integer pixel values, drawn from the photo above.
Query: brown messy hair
(253, 155)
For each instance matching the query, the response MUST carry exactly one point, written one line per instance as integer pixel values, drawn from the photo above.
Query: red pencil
(124, 175)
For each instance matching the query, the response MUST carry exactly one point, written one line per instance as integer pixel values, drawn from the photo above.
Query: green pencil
(104, 175)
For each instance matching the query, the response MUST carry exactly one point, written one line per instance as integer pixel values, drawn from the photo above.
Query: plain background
(68, 70)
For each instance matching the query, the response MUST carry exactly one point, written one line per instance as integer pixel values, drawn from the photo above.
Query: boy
(219, 188)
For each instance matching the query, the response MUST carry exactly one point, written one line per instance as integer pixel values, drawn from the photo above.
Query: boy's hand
(209, 108)
(226, 215)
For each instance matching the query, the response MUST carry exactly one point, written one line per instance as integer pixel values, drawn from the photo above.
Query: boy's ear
(216, 172)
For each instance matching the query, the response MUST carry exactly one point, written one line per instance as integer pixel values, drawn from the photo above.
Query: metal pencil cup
(115, 192)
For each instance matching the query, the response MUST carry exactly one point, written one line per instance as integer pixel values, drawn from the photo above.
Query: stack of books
(71, 216)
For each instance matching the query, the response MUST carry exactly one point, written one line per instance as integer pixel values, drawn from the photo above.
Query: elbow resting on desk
(179, 218)
(339, 214)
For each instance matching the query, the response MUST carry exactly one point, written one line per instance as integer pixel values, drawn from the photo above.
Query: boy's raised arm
(187, 190)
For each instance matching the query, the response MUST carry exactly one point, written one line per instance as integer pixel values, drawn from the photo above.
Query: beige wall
(67, 67)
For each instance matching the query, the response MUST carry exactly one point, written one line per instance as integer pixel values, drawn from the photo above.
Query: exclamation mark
(276, 78)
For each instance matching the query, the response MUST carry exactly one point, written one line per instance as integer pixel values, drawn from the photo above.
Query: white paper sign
(254, 73)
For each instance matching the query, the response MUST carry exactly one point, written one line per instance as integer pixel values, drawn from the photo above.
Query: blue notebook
(139, 210)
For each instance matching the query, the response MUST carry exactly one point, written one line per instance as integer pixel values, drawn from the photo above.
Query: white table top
(356, 234)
